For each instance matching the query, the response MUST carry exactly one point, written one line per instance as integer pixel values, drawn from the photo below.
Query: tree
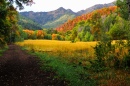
(21, 34)
(5, 24)
(128, 2)
(91, 38)
(8, 18)
(95, 23)
(20, 3)
(73, 35)
(40, 34)
(110, 20)
(54, 36)
(119, 29)
(123, 8)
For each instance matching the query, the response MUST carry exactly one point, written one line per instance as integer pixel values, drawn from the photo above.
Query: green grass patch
(2, 50)
(75, 74)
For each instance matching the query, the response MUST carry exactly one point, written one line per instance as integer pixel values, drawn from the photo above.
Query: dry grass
(54, 45)
(78, 52)
(60, 48)
(113, 77)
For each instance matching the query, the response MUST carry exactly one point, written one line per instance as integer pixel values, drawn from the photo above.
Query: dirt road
(17, 68)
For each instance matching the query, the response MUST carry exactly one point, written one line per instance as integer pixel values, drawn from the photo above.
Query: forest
(92, 49)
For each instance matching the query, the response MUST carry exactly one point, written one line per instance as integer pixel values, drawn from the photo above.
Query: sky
(74, 5)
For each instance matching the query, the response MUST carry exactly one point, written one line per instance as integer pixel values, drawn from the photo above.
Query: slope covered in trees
(70, 24)
(86, 27)
(27, 23)
(45, 18)
(59, 21)
(57, 17)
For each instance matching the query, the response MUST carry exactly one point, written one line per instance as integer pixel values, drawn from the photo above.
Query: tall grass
(73, 52)
(55, 46)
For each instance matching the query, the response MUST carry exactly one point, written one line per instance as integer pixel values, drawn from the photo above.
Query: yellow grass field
(79, 52)
(60, 48)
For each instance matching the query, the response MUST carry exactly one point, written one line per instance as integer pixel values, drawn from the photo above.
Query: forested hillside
(101, 13)
(59, 21)
(27, 23)
(86, 27)
(57, 17)
(44, 18)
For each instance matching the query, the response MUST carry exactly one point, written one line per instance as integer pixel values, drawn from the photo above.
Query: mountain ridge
(95, 7)
(49, 19)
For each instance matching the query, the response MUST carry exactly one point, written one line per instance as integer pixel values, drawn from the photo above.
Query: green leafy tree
(20, 3)
(8, 18)
(119, 29)
(123, 8)
(5, 24)
(83, 28)
(68, 35)
(110, 20)
(21, 34)
(48, 36)
(74, 35)
(87, 36)
(91, 38)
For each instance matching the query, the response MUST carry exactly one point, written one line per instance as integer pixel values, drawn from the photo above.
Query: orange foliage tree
(69, 25)
(30, 34)
(54, 36)
(40, 34)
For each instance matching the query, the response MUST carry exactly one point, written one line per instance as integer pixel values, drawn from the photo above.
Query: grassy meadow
(63, 49)
(71, 62)
(56, 46)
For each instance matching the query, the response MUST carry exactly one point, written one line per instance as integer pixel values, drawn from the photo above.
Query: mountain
(27, 23)
(95, 7)
(57, 17)
(58, 21)
(50, 19)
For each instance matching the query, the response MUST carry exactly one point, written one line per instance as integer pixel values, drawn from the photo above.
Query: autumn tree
(30, 34)
(54, 36)
(95, 23)
(40, 34)
(8, 18)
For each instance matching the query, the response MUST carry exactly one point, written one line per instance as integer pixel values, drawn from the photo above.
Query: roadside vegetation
(2, 50)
